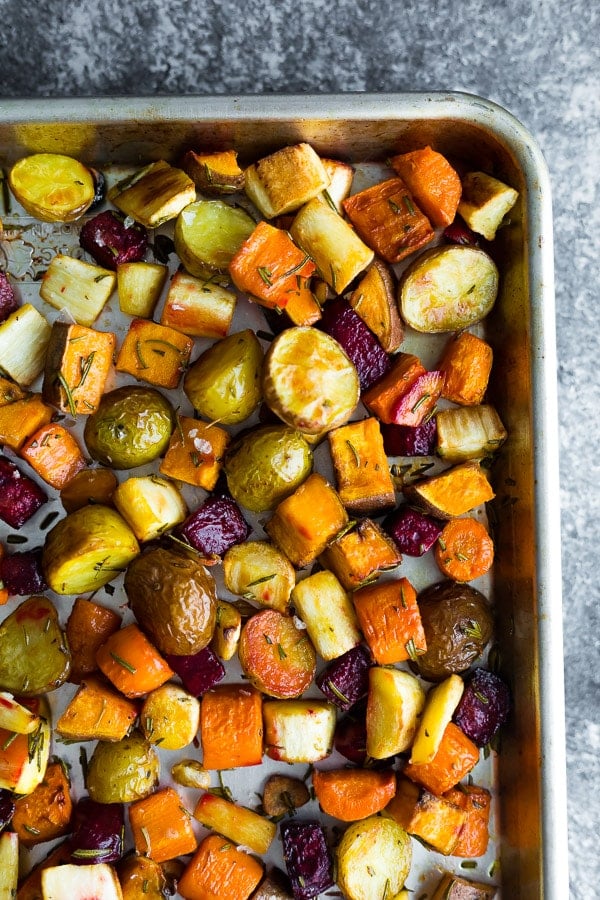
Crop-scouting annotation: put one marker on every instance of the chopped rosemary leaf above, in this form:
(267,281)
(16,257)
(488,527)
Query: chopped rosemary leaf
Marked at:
(63,383)
(341,697)
(124,663)
(265,275)
(408,204)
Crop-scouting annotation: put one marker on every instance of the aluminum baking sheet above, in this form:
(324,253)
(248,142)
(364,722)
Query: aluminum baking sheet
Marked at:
(529,816)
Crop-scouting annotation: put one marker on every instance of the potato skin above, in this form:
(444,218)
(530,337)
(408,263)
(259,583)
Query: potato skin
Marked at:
(122,771)
(458,624)
(174,600)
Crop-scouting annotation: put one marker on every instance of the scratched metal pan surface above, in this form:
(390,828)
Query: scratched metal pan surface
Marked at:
(529,771)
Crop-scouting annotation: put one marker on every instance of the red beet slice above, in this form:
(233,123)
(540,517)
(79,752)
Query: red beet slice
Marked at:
(483,707)
(111,242)
(346,679)
(215,526)
(20,497)
(418,402)
(359,343)
(409,440)
(21,573)
(199,672)
(307,858)
(413,531)
(8,300)
(97,832)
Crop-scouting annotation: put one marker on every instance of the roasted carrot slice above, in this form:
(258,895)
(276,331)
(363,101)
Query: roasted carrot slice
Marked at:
(219,871)
(231,727)
(276,656)
(351,794)
(132,663)
(464,549)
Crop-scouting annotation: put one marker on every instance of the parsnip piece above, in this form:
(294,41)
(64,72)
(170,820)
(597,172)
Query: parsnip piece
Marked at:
(154,195)
(24,338)
(285,180)
(78,287)
(326,609)
(150,505)
(298,730)
(470,432)
(9,864)
(338,252)
(340,182)
(241,825)
(484,203)
(394,703)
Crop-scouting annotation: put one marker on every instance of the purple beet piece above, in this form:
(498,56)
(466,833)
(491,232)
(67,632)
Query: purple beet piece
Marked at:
(350,739)
(360,344)
(483,707)
(346,679)
(97,832)
(20,497)
(8,301)
(410,440)
(21,573)
(7,808)
(215,526)
(413,531)
(307,858)
(460,233)
(111,242)
(199,672)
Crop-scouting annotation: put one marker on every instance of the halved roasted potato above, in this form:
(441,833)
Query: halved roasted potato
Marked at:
(374,858)
(208,234)
(52,187)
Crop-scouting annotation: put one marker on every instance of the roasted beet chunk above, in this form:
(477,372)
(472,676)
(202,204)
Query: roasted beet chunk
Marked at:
(306,858)
(20,497)
(97,832)
(460,233)
(346,679)
(410,440)
(7,808)
(198,672)
(215,526)
(359,343)
(111,242)
(413,531)
(483,707)
(8,300)
(21,573)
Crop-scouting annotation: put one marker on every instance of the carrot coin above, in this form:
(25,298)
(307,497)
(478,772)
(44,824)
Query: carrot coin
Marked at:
(276,656)
(464,549)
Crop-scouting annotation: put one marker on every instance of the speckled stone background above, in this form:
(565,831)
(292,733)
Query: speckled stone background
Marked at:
(539,59)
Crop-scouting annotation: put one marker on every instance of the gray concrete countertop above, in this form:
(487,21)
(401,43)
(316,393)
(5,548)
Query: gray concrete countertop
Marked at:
(539,59)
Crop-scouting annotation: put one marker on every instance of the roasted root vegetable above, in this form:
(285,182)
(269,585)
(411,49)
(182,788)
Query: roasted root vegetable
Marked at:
(453,492)
(140,875)
(80,288)
(191,773)
(346,680)
(24,757)
(214,173)
(466,364)
(139,285)
(208,234)
(195,453)
(241,825)
(224,383)
(485,202)
(464,550)
(468,433)
(96,880)
(283,795)
(97,713)
(22,573)
(88,627)
(387,218)
(457,622)
(307,858)
(413,532)
(86,549)
(199,672)
(474,835)
(154,353)
(219,871)
(453,887)
(341,175)
(88,486)
(45,813)
(389,618)
(360,555)
(154,194)
(78,361)
(131,663)
(9,864)
(484,706)
(353,794)
(170,716)
(150,505)
(8,300)
(410,440)
(435,820)
(407,393)
(374,299)
(228,628)
(432,181)
(456,755)
(309,381)
(285,180)
(270,267)
(214,526)
(394,704)
(448,288)
(111,240)
(327,611)
(122,771)
(148,817)
(10,392)
(198,308)
(24,337)
(20,496)
(339,253)
(441,702)
(343,324)
(21,419)
(304,523)
(97,832)
(231,727)
(52,187)
(362,472)
(34,656)
(259,572)
(373,858)
(276,656)
(298,730)
(16,717)
(54,454)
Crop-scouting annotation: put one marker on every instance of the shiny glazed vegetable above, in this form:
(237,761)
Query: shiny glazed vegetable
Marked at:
(123,771)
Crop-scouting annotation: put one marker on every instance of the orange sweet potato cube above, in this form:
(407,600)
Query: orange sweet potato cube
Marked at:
(78,361)
(466,364)
(432,181)
(97,713)
(231,727)
(195,453)
(390,620)
(44,814)
(21,419)
(154,353)
(455,758)
(362,472)
(474,835)
(388,220)
(436,820)
(161,826)
(361,555)
(54,454)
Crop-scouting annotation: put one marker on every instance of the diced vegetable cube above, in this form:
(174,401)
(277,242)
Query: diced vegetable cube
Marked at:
(24,338)
(235,822)
(466,364)
(54,454)
(394,704)
(132,663)
(484,706)
(436,820)
(195,453)
(361,468)
(441,702)
(21,573)
(285,180)
(139,285)
(298,730)
(199,672)
(20,497)
(219,869)
(410,440)
(341,322)
(45,813)
(89,625)
(469,433)
(389,617)
(474,835)
(170,717)
(112,241)
(150,505)
(161,826)
(455,757)
(307,858)
(231,726)
(97,832)
(154,194)
(259,572)
(21,419)
(484,203)
(326,609)
(346,679)
(197,307)
(21,770)
(215,526)
(154,353)
(78,362)
(97,713)
(359,556)
(217,172)
(413,531)
(432,181)
(407,394)
(99,881)
(374,299)
(78,287)
(454,492)
(453,887)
